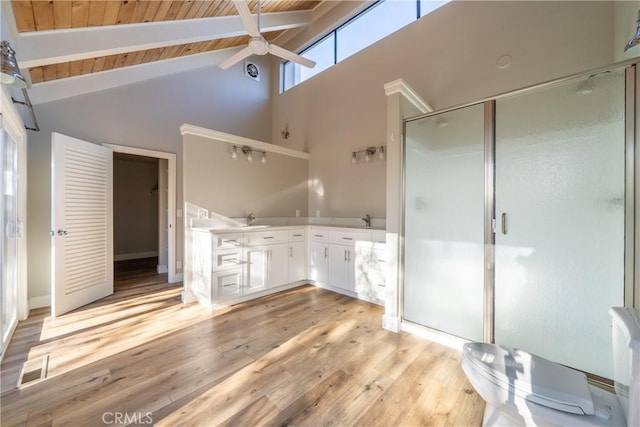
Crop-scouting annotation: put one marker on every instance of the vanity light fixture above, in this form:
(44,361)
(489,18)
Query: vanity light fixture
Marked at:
(248,152)
(11,75)
(632,49)
(369,154)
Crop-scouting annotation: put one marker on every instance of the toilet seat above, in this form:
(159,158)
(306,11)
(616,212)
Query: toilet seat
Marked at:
(515,373)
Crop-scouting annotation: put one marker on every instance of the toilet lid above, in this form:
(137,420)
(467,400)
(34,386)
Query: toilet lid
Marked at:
(531,377)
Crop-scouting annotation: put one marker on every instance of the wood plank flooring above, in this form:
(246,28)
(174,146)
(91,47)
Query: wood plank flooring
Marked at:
(302,357)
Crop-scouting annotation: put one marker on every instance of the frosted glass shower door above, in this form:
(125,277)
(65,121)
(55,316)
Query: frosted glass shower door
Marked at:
(560,213)
(443,231)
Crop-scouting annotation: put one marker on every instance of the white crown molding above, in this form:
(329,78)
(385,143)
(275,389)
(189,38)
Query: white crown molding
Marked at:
(37,48)
(73,86)
(401,87)
(187,129)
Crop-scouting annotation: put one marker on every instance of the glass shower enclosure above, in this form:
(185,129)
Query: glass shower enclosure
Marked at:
(514,219)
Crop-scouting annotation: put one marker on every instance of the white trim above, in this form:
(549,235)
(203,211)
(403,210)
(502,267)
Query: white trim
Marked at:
(171,202)
(65,88)
(135,255)
(401,87)
(38,48)
(14,126)
(187,129)
(161,269)
(435,336)
(39,302)
(178,278)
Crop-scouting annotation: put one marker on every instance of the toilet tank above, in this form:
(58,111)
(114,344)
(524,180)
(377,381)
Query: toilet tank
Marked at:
(625,331)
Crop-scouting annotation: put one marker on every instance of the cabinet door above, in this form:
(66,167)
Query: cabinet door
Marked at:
(363,272)
(339,267)
(227,284)
(277,264)
(318,261)
(297,262)
(257,262)
(378,273)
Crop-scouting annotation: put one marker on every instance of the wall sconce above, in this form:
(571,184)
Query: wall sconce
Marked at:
(248,152)
(11,75)
(632,48)
(284,132)
(369,153)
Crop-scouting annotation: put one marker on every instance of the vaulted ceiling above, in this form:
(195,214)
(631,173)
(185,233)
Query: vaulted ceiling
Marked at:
(59,39)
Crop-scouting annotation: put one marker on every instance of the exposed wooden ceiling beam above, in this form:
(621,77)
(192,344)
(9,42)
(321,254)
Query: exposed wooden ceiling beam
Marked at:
(55,46)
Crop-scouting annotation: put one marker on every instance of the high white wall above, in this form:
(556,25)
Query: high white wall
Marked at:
(449,58)
(146,115)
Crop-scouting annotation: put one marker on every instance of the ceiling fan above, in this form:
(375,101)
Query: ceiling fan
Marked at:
(258,45)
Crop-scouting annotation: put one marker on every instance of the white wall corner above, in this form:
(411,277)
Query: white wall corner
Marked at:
(39,302)
(162,269)
(403,88)
(188,297)
(391,323)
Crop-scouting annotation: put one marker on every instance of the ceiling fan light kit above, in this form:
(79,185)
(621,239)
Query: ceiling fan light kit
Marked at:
(258,45)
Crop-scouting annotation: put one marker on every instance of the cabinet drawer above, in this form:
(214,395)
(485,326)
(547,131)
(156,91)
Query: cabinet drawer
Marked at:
(228,283)
(349,237)
(224,241)
(296,235)
(266,237)
(379,237)
(226,258)
(318,235)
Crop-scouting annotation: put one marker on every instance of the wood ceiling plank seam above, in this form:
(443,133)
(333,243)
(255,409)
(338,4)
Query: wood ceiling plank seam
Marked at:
(120,60)
(97,10)
(49,72)
(173,11)
(213,8)
(79,14)
(150,54)
(184,9)
(163,9)
(98,64)
(127,8)
(139,11)
(227,8)
(111,12)
(75,68)
(130,58)
(152,10)
(203,46)
(23,12)
(197,10)
(43,14)
(138,57)
(108,62)
(253,6)
(36,74)
(62,14)
(190,49)
(166,51)
(62,70)
(87,65)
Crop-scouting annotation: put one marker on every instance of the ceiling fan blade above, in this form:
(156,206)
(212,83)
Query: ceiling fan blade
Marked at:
(239,56)
(287,54)
(247,19)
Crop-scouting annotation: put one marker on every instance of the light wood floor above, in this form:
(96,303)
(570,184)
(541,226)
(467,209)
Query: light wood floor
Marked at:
(301,357)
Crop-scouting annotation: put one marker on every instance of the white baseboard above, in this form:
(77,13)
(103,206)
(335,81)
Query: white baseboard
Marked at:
(162,269)
(137,255)
(39,302)
(391,323)
(432,335)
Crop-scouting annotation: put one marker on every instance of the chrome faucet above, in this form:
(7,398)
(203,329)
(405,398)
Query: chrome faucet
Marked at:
(250,218)
(367,220)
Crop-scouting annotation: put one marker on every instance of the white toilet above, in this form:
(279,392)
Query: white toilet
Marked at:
(523,389)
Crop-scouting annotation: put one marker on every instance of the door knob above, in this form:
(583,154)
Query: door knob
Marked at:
(62,232)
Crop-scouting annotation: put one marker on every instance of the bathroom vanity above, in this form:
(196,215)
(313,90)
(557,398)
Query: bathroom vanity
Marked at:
(229,265)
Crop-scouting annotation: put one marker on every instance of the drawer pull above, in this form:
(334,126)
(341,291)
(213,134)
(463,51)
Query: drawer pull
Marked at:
(230,284)
(326,250)
(232,260)
(297,235)
(382,286)
(229,241)
(318,235)
(382,260)
(268,237)
(347,238)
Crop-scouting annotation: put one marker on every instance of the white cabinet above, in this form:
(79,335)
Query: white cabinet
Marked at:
(297,261)
(278,265)
(256,268)
(341,267)
(318,261)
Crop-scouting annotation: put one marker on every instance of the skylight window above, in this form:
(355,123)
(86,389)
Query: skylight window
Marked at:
(371,25)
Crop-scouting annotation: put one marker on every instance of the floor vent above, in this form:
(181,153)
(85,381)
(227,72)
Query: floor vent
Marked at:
(33,371)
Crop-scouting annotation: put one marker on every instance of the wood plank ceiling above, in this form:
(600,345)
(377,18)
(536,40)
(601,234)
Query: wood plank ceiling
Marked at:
(41,15)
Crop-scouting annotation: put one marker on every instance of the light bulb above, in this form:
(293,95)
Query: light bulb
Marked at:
(381,153)
(234,153)
(353,158)
(264,158)
(367,157)
(249,156)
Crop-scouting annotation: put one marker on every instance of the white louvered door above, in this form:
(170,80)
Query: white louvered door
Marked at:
(82,223)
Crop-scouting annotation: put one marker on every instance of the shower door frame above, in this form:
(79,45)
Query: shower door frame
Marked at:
(632,198)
